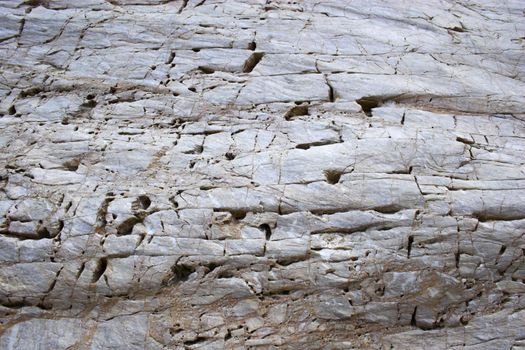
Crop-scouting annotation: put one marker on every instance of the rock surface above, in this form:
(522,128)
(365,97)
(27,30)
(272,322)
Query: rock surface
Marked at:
(227,174)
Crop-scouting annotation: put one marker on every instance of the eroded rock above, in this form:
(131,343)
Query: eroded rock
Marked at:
(262,174)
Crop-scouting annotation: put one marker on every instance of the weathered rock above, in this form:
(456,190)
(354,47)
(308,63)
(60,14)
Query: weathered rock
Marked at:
(262,174)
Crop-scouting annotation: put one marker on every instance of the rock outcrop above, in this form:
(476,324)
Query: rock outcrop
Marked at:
(230,174)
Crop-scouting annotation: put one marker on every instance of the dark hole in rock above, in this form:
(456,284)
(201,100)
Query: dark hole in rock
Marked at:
(43,232)
(144,202)
(11,110)
(332,176)
(195,49)
(267,230)
(252,46)
(296,112)
(126,227)
(230,156)
(206,70)
(179,273)
(238,214)
(35,3)
(72,164)
(192,89)
(368,103)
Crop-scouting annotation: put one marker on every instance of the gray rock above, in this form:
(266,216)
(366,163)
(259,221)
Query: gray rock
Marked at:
(270,174)
(334,308)
(33,333)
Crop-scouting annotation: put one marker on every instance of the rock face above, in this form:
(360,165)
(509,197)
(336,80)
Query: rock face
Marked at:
(231,174)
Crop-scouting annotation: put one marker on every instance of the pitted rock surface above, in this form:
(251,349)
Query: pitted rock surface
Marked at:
(262,174)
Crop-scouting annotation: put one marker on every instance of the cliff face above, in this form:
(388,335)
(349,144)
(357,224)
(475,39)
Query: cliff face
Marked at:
(262,174)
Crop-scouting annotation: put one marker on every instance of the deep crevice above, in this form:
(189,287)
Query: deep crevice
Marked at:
(413,318)
(102,264)
(409,247)
(331,92)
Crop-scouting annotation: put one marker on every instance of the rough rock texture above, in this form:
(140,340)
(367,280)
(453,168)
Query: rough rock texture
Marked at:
(222,174)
